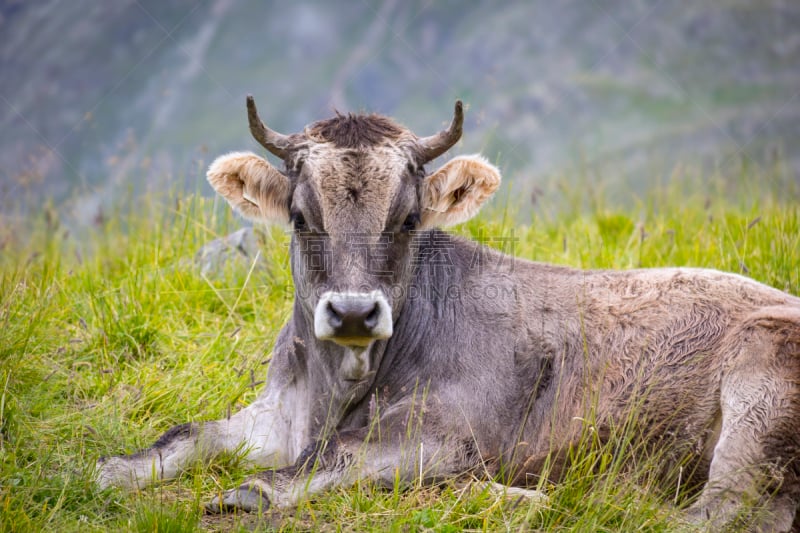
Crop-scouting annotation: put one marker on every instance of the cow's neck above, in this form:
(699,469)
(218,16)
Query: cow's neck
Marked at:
(334,378)
(432,301)
(397,364)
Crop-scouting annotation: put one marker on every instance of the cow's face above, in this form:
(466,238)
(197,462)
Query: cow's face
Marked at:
(356,193)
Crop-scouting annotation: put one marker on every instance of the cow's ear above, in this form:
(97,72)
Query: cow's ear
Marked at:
(252,186)
(456,191)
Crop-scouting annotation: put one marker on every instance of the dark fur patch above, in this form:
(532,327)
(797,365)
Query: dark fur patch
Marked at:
(311,452)
(469,454)
(175,433)
(319,450)
(171,435)
(355,131)
(545,377)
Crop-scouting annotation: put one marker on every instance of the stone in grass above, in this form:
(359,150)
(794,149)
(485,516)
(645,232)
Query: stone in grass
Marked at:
(238,249)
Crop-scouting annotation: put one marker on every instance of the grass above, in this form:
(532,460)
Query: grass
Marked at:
(109,338)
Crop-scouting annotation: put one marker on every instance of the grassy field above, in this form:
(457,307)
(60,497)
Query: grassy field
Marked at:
(112,337)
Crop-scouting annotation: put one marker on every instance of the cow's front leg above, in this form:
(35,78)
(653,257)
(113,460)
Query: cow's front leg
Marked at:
(262,430)
(364,454)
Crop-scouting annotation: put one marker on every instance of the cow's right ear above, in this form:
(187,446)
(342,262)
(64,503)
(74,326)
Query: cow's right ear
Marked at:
(252,186)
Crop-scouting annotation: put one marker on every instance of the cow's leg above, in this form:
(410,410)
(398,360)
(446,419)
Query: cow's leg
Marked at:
(385,454)
(758,451)
(262,431)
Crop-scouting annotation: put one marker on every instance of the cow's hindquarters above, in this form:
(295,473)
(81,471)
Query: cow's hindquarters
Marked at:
(758,452)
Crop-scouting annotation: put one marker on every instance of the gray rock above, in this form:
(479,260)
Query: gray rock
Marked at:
(239,248)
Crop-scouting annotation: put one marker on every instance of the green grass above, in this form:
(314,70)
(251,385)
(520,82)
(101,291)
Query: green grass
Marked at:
(111,337)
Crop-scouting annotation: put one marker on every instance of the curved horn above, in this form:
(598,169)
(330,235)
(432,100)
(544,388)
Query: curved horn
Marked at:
(273,141)
(435,145)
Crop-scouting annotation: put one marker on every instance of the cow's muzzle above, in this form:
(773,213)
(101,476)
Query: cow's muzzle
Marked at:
(353,318)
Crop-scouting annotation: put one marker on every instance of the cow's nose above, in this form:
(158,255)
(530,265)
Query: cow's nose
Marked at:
(353,318)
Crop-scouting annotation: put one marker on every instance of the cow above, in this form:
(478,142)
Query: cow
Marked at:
(415,354)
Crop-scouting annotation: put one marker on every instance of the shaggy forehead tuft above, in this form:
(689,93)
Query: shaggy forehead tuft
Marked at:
(356,131)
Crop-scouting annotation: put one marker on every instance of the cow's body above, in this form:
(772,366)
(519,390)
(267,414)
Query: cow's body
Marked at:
(490,361)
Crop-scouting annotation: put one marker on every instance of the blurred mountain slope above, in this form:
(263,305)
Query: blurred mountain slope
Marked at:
(103,99)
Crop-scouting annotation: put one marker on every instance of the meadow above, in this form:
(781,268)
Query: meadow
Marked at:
(110,336)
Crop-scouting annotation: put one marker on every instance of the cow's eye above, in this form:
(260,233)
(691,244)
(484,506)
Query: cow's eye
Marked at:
(298,221)
(411,222)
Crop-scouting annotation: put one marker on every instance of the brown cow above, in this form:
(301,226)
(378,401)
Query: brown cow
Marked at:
(412,352)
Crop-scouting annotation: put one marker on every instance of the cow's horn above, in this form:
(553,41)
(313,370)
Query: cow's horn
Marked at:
(435,145)
(273,141)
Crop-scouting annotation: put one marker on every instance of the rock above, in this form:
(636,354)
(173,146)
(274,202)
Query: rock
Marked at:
(239,248)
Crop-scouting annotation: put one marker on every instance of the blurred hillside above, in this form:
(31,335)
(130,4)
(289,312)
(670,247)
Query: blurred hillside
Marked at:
(100,100)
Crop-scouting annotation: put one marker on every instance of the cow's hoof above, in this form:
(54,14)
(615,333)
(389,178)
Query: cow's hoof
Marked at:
(248,498)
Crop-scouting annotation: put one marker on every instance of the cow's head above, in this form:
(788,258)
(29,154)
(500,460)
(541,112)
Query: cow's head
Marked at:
(355,189)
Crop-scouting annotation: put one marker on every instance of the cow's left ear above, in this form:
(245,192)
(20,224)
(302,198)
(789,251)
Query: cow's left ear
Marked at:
(456,191)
